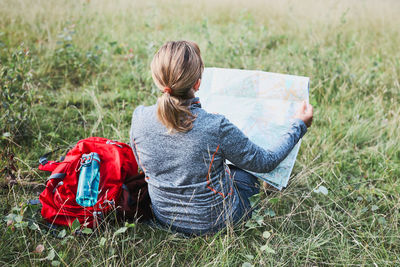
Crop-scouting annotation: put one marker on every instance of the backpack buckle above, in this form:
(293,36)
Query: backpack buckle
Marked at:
(87,159)
(113,143)
(43,160)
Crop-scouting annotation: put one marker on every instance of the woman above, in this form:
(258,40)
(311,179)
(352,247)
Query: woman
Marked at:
(182,149)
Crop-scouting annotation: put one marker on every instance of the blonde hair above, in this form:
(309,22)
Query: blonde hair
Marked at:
(176,68)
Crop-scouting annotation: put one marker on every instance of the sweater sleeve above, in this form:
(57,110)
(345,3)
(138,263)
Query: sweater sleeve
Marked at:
(238,149)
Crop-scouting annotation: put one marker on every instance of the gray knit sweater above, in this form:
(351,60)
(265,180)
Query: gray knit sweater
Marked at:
(189,184)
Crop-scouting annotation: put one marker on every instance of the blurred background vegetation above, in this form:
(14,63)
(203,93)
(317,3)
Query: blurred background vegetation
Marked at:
(74,69)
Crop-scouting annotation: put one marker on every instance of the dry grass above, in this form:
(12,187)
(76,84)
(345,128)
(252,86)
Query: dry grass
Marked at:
(85,82)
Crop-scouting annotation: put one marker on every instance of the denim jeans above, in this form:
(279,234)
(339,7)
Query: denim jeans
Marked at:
(246,185)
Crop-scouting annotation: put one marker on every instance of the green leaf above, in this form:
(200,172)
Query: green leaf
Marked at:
(322,189)
(6,135)
(33,226)
(130,225)
(273,200)
(55,263)
(111,252)
(102,241)
(10,217)
(62,233)
(75,225)
(120,231)
(374,207)
(18,218)
(21,224)
(87,231)
(250,224)
(51,255)
(254,200)
(249,257)
(259,219)
(267,249)
(364,209)
(266,234)
(270,213)
(247,264)
(382,220)
(67,239)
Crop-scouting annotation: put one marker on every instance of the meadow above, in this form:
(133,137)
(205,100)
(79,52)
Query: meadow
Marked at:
(75,69)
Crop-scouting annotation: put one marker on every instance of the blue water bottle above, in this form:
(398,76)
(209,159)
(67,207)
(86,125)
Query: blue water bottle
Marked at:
(89,178)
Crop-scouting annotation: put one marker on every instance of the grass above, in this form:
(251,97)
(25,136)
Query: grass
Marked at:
(76,69)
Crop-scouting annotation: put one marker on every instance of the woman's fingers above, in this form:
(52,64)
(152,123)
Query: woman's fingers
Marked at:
(305,113)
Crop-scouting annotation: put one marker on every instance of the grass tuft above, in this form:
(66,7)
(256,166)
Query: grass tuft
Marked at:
(74,69)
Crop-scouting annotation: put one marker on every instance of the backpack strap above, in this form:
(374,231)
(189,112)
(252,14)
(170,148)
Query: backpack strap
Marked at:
(43,159)
(50,165)
(57,175)
(57,169)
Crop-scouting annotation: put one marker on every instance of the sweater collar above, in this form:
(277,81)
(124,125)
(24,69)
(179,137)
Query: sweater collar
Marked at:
(195,103)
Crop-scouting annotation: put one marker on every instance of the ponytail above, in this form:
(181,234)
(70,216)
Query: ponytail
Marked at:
(174,113)
(176,68)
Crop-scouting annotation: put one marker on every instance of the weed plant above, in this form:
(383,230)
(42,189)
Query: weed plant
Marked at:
(74,69)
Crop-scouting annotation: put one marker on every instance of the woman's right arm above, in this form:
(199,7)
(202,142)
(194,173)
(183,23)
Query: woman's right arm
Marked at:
(238,149)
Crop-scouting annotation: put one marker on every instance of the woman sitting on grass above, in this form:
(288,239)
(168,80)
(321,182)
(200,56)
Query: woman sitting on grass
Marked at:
(182,149)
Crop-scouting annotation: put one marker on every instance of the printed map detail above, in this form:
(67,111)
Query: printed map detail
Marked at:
(260,104)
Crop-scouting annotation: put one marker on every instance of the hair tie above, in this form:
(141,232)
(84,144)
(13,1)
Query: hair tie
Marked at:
(167,90)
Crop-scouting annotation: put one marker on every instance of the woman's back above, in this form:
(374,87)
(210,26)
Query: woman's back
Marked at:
(188,183)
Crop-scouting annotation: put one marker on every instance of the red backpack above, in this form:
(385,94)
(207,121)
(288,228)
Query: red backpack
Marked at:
(118,173)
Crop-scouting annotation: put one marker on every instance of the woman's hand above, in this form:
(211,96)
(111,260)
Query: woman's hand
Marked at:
(305,113)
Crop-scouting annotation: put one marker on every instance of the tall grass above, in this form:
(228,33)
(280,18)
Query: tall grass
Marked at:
(86,67)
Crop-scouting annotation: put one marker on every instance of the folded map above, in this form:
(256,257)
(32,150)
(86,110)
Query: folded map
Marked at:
(260,104)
